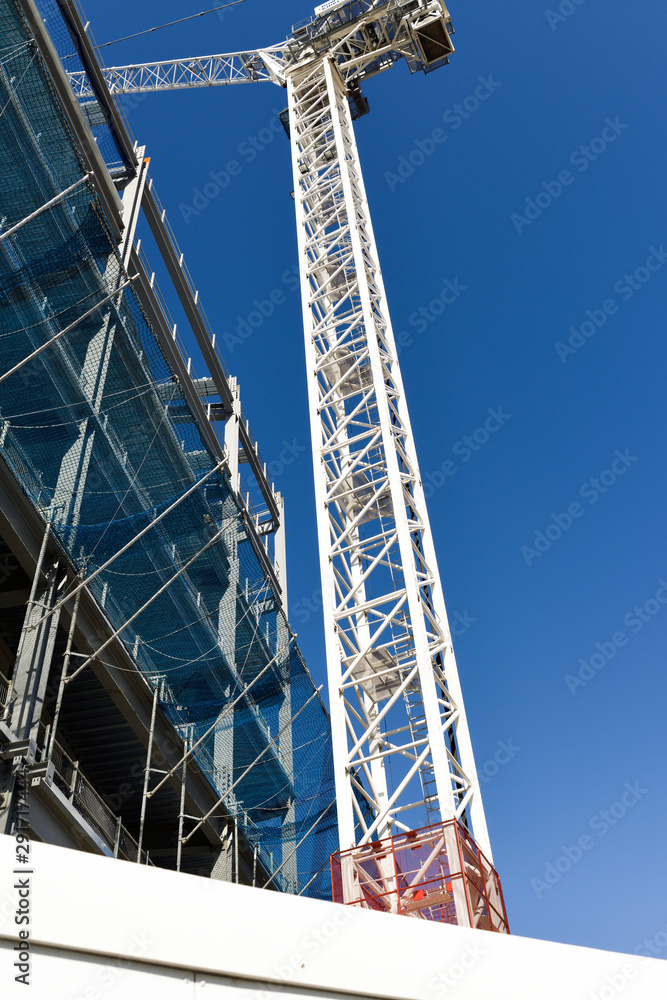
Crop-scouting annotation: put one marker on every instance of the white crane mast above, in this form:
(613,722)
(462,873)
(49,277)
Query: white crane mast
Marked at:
(402,752)
(392,676)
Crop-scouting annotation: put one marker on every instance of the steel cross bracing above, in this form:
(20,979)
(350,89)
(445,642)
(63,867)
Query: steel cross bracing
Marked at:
(177,74)
(401,745)
(402,751)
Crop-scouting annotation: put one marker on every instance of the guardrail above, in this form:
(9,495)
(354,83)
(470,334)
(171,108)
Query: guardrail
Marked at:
(81,794)
(68,777)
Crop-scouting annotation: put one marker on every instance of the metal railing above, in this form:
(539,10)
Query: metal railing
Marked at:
(4,693)
(73,783)
(68,777)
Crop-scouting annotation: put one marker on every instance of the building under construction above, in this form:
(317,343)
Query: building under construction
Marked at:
(151,690)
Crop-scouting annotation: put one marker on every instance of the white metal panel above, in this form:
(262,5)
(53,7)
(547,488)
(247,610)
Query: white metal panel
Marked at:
(65,975)
(251,944)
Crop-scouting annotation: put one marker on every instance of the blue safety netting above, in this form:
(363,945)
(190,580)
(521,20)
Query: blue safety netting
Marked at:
(65,43)
(98,433)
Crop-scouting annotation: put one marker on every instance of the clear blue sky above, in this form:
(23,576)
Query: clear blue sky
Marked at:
(580,93)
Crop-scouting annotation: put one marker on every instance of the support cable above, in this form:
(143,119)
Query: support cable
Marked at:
(218,535)
(306,834)
(29,606)
(255,761)
(129,544)
(216,645)
(320,869)
(134,477)
(14,94)
(226,710)
(48,204)
(180,20)
(183,663)
(68,328)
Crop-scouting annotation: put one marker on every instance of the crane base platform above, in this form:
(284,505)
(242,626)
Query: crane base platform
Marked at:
(436,873)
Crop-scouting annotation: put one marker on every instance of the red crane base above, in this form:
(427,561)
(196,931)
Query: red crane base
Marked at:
(436,873)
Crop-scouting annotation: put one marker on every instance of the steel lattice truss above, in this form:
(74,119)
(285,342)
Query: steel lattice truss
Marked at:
(402,749)
(364,37)
(395,699)
(179,74)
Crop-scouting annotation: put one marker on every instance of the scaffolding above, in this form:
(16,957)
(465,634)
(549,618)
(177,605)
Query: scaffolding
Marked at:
(114,444)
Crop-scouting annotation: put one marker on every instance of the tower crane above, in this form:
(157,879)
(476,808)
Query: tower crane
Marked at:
(413,835)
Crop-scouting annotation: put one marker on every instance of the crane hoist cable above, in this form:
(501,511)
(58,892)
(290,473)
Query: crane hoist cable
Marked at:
(180,20)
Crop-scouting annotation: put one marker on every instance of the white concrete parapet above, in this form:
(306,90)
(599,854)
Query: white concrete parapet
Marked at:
(103,929)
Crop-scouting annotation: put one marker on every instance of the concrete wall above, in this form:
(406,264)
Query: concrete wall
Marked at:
(104,930)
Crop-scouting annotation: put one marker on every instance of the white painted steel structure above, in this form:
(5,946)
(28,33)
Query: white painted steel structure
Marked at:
(402,750)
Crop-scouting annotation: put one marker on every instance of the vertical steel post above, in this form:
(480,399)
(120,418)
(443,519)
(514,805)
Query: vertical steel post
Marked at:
(236,849)
(63,675)
(33,592)
(181,814)
(147,772)
(116,845)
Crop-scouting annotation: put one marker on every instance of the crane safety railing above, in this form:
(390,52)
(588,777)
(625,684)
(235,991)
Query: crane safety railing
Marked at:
(334,18)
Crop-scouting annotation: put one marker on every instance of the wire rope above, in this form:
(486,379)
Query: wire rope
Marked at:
(180,20)
(15,89)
